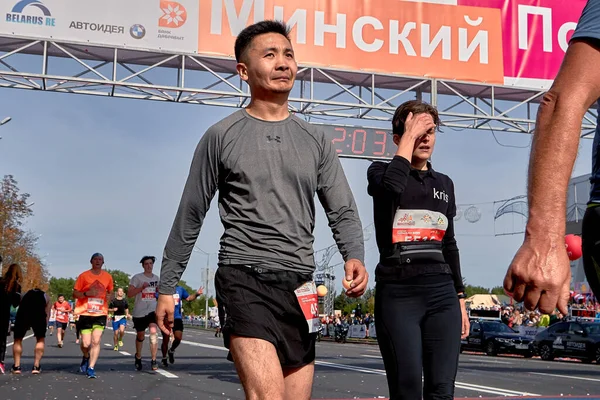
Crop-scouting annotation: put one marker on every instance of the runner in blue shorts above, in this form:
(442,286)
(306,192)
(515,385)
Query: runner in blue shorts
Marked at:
(120,307)
(179,295)
(540,273)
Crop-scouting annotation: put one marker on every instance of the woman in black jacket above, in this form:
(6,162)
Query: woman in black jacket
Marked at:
(419,299)
(10,295)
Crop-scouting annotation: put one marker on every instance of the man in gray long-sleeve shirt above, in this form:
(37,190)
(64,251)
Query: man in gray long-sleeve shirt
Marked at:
(267,166)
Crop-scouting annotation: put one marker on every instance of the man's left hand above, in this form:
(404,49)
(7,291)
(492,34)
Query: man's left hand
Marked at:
(357,273)
(465,324)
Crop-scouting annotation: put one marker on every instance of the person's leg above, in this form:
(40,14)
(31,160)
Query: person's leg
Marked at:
(122,330)
(258,367)
(96,338)
(399,310)
(441,342)
(59,333)
(164,347)
(153,328)
(39,351)
(86,342)
(298,382)
(4,327)
(139,343)
(116,329)
(17,351)
(177,338)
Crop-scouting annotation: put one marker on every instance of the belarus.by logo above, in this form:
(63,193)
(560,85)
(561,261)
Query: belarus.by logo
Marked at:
(137,31)
(23,13)
(174,15)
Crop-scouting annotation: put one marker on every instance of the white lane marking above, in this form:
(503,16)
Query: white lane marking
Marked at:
(125,353)
(166,374)
(487,361)
(461,385)
(26,337)
(566,376)
(107,345)
(370,356)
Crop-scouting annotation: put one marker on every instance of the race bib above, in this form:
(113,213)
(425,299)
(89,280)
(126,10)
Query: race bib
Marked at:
(118,317)
(418,226)
(148,294)
(308,300)
(176,298)
(95,305)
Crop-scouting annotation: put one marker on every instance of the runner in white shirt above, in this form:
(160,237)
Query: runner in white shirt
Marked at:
(143,286)
(52,321)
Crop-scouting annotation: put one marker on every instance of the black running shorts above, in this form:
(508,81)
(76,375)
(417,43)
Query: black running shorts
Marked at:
(591,247)
(140,324)
(261,304)
(178,325)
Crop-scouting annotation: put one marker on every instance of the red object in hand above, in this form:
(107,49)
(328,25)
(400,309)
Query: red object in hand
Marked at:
(573,244)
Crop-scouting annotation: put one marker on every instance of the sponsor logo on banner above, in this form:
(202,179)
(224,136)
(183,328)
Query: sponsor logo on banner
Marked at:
(418,226)
(174,15)
(28,12)
(97,27)
(137,31)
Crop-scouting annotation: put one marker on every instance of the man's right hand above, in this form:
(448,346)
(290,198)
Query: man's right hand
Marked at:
(165,313)
(540,274)
(417,126)
(145,285)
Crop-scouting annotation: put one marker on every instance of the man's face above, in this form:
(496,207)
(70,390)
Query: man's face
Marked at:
(268,65)
(148,266)
(61,299)
(97,262)
(120,292)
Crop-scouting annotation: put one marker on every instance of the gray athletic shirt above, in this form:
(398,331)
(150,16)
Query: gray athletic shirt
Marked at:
(267,174)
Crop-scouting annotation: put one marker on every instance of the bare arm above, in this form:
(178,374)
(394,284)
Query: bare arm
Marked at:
(556,139)
(540,273)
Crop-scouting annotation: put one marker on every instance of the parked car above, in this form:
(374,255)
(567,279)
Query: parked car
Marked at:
(495,337)
(573,339)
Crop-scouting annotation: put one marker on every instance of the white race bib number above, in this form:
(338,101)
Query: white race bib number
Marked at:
(95,305)
(308,300)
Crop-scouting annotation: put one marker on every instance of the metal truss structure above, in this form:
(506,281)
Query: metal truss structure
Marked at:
(320,93)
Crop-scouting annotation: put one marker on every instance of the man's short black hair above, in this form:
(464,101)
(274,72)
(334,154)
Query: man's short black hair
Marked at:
(147,258)
(244,39)
(60,295)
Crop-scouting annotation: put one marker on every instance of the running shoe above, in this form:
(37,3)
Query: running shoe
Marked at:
(60,345)
(120,343)
(16,370)
(171,354)
(85,363)
(138,363)
(116,348)
(154,365)
(36,370)
(164,362)
(91,374)
(2,368)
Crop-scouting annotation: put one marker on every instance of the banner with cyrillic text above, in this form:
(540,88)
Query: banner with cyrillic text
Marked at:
(507,42)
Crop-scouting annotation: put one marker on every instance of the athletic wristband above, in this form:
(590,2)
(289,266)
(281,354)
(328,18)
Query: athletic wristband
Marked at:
(462,296)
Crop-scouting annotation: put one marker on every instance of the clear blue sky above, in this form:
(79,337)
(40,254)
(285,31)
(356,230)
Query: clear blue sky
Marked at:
(106,175)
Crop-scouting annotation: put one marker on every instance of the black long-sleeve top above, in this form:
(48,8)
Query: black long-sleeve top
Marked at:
(413,206)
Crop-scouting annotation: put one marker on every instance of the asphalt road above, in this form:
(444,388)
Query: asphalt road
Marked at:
(343,371)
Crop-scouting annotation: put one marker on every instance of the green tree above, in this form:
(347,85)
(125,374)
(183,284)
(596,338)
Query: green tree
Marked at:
(473,290)
(62,286)
(498,290)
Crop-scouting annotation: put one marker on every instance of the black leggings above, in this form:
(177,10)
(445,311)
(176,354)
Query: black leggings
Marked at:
(591,248)
(418,331)
(4,325)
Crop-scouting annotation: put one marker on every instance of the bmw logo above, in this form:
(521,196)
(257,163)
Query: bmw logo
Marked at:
(137,31)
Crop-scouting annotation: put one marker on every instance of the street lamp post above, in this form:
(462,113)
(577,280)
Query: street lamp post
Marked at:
(4,122)
(197,249)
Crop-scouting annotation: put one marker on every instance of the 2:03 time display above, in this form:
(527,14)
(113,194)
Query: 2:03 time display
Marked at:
(359,142)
